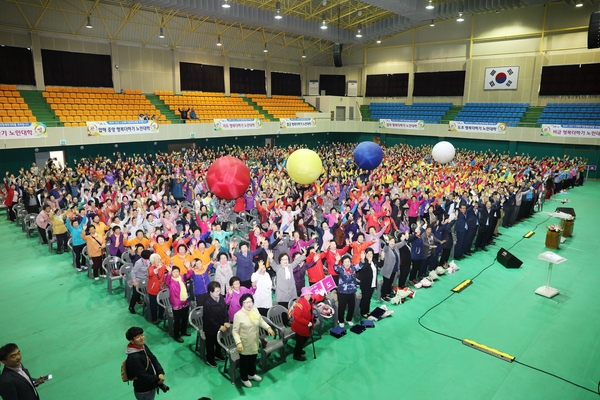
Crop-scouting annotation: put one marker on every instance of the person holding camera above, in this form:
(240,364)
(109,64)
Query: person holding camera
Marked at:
(142,366)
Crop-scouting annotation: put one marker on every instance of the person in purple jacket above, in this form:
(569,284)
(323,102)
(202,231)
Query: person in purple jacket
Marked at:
(115,242)
(178,295)
(245,266)
(234,293)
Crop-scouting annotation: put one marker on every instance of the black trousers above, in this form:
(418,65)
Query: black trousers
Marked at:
(42,233)
(365,301)
(482,236)
(445,256)
(97,265)
(11,213)
(263,311)
(300,342)
(135,297)
(180,318)
(61,241)
(247,284)
(284,316)
(247,365)
(346,300)
(212,348)
(386,286)
(404,272)
(79,259)
(156,312)
(416,266)
(33,209)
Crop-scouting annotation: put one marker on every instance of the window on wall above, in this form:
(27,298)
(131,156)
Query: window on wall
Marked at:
(387,85)
(250,81)
(200,77)
(570,80)
(333,85)
(445,83)
(286,84)
(63,68)
(16,66)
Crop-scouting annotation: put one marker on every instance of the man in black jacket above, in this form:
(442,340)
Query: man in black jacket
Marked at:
(142,366)
(214,319)
(15,381)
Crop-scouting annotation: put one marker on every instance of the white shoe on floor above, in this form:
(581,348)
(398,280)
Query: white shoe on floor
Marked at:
(341,324)
(79,269)
(248,384)
(256,378)
(103,276)
(96,279)
(350,323)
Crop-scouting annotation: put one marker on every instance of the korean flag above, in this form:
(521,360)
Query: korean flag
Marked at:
(501,78)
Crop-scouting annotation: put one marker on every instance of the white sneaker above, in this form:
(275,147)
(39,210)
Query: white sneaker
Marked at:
(102,276)
(79,269)
(341,324)
(248,384)
(256,378)
(350,323)
(96,279)
(83,267)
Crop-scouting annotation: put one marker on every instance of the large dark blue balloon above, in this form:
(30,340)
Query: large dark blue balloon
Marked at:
(368,155)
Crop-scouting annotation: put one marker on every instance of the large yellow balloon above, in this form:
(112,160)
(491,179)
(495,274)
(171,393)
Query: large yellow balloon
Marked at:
(304,166)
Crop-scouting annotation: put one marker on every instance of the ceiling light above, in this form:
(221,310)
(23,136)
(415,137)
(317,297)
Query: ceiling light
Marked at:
(324,23)
(161,34)
(225,4)
(89,23)
(278,11)
(378,40)
(460,17)
(430,5)
(303,54)
(432,23)
(359,31)
(579,3)
(219,41)
(265,50)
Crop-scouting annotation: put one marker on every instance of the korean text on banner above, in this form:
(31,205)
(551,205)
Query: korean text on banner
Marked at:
(402,124)
(297,123)
(580,131)
(237,123)
(482,127)
(323,286)
(23,130)
(111,128)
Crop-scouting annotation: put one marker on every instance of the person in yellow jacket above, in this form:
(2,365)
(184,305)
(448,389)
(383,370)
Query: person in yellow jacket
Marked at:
(59,229)
(246,324)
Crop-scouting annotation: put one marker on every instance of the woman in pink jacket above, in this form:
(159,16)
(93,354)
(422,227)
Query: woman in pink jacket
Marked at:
(413,210)
(178,295)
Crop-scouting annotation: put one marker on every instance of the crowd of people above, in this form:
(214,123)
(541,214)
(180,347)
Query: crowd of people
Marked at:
(405,221)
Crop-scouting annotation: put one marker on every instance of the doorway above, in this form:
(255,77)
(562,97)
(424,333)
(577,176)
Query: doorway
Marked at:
(340,113)
(42,157)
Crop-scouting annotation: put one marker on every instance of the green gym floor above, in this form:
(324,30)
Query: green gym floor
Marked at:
(69,326)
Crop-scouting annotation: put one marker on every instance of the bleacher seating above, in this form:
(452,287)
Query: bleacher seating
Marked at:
(73,105)
(572,114)
(208,106)
(281,106)
(13,107)
(511,113)
(431,113)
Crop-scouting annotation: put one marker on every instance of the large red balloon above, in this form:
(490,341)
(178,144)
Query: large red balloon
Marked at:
(228,177)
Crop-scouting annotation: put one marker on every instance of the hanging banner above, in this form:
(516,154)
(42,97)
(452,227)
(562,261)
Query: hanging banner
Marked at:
(239,123)
(582,131)
(410,124)
(483,127)
(111,128)
(501,78)
(297,123)
(23,130)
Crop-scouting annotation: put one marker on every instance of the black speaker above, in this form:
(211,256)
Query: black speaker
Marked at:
(594,31)
(337,54)
(507,259)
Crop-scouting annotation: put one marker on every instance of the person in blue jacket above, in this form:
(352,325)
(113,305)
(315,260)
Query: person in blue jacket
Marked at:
(347,286)
(75,228)
(245,266)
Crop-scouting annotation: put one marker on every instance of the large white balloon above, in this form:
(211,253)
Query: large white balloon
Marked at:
(443,152)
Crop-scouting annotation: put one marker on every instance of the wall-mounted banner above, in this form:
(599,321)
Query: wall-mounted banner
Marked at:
(489,127)
(501,78)
(297,123)
(23,130)
(411,124)
(582,131)
(236,124)
(110,128)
